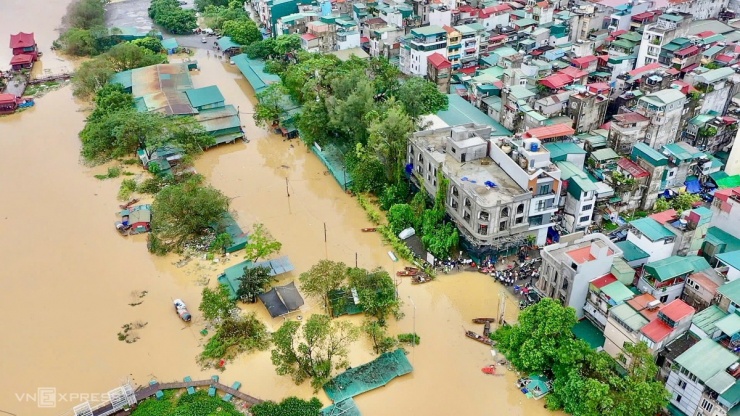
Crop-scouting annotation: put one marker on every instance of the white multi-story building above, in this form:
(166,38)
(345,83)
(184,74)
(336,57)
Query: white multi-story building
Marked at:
(703,380)
(570,265)
(664,108)
(418,46)
(668,27)
(487,205)
(726,210)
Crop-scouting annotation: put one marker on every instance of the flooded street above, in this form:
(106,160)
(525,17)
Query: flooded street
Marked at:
(68,278)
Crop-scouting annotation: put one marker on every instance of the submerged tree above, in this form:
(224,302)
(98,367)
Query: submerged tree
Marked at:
(253,283)
(315,350)
(216,303)
(261,244)
(322,278)
(377,293)
(291,406)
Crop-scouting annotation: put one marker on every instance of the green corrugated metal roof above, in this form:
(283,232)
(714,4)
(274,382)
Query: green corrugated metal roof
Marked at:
(631,251)
(629,316)
(716,176)
(728,182)
(713,51)
(683,151)
(732,396)
(584,184)
(170,43)
(705,359)
(586,331)
(648,153)
(618,292)
(559,151)
(124,78)
(460,111)
(672,17)
(568,170)
(226,43)
(605,154)
(721,382)
(669,268)
(706,319)
(698,263)
(631,36)
(204,96)
(652,229)
(254,71)
(524,22)
(476,26)
(731,258)
(717,237)
(730,324)
(701,119)
(624,43)
(428,30)
(731,290)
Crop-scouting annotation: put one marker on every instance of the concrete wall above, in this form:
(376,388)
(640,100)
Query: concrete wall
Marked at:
(690,395)
(616,336)
(657,250)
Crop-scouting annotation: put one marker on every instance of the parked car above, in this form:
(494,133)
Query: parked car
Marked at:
(203,40)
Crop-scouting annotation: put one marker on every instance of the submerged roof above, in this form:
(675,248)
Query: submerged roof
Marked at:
(254,71)
(160,87)
(200,97)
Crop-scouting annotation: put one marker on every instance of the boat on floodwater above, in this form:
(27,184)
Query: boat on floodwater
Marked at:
(478,337)
(182,310)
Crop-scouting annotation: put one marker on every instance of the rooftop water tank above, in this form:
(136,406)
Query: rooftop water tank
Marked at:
(534,146)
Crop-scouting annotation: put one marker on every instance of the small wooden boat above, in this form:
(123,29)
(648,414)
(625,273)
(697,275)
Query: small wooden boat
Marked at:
(406,273)
(483,320)
(420,278)
(128,204)
(411,269)
(477,337)
(486,329)
(369,230)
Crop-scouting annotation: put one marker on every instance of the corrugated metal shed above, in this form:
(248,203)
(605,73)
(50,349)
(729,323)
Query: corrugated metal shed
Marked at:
(162,88)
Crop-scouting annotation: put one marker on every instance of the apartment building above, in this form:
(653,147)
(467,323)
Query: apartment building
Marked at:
(664,108)
(604,293)
(726,211)
(491,210)
(668,26)
(626,129)
(665,279)
(568,267)
(418,46)
(439,71)
(578,197)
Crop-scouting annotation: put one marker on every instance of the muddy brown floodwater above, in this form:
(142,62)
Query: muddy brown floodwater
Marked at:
(68,278)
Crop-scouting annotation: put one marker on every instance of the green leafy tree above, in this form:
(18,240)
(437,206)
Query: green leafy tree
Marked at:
(110,99)
(125,56)
(684,201)
(91,76)
(270,104)
(322,278)
(85,14)
(312,122)
(385,75)
(204,4)
(242,31)
(441,240)
(216,303)
(235,335)
(291,406)
(388,137)
(661,205)
(367,171)
(261,244)
(400,217)
(150,43)
(215,16)
(254,282)
(221,242)
(352,101)
(79,42)
(377,334)
(172,17)
(285,44)
(315,350)
(184,212)
(377,293)
(420,97)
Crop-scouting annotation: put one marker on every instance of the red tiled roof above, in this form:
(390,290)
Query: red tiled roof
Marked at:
(488,11)
(630,118)
(646,68)
(639,303)
(364,39)
(548,132)
(21,59)
(469,70)
(598,87)
(704,281)
(556,81)
(573,72)
(22,40)
(705,34)
(677,310)
(498,38)
(439,61)
(673,71)
(543,4)
(375,21)
(449,29)
(581,255)
(665,216)
(7,98)
(604,280)
(616,33)
(724,194)
(635,170)
(687,51)
(724,58)
(606,126)
(690,68)
(308,37)
(656,330)
(584,60)
(642,16)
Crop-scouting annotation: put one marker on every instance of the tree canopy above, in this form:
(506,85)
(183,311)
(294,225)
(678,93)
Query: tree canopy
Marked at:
(85,14)
(242,31)
(585,382)
(261,244)
(253,283)
(315,350)
(377,293)
(150,43)
(216,303)
(323,277)
(291,406)
(184,212)
(172,17)
(129,55)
